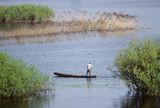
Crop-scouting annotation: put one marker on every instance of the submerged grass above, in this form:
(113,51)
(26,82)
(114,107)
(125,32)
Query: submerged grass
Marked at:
(139,66)
(18,79)
(25,13)
(76,22)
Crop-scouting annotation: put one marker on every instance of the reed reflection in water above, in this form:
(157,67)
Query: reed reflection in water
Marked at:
(138,101)
(31,102)
(63,37)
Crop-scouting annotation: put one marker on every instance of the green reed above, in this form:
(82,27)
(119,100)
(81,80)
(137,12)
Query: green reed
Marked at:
(25,13)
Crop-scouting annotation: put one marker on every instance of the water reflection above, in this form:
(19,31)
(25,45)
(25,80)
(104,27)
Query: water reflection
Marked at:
(138,101)
(63,37)
(32,102)
(89,83)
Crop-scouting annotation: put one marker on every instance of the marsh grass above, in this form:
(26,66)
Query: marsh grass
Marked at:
(69,22)
(139,66)
(18,79)
(25,13)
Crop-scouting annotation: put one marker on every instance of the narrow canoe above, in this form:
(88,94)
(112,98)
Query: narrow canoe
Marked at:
(59,74)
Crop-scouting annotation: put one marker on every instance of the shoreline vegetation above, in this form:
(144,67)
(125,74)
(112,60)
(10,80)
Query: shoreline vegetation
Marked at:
(139,66)
(26,13)
(18,79)
(73,21)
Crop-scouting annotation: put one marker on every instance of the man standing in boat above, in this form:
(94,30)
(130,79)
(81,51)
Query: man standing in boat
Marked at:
(89,68)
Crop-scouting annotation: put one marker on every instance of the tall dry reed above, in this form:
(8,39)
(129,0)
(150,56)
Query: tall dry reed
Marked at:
(76,22)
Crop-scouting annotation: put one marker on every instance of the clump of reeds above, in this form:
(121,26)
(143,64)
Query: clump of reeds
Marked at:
(77,22)
(25,13)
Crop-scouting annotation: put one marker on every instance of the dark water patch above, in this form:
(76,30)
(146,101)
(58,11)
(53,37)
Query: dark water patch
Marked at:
(7,26)
(32,102)
(13,26)
(138,101)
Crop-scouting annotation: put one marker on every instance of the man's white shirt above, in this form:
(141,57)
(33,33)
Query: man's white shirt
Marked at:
(89,66)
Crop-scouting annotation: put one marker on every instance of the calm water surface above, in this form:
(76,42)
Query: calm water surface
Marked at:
(70,53)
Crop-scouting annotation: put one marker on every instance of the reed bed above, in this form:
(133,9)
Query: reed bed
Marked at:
(25,13)
(77,21)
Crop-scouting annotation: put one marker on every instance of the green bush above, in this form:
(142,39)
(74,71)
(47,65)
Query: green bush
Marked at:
(139,65)
(25,13)
(18,79)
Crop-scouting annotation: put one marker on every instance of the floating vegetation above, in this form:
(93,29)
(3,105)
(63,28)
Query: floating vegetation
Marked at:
(139,66)
(77,21)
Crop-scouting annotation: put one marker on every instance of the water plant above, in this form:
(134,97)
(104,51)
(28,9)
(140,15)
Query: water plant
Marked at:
(25,13)
(78,21)
(139,66)
(18,79)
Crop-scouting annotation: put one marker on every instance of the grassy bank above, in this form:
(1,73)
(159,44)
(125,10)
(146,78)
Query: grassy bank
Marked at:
(25,13)
(76,22)
(18,79)
(139,66)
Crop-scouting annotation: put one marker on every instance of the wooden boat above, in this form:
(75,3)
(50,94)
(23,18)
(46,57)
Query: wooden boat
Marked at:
(59,74)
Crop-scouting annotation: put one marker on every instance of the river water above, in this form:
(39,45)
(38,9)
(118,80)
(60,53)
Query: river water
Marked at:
(71,52)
